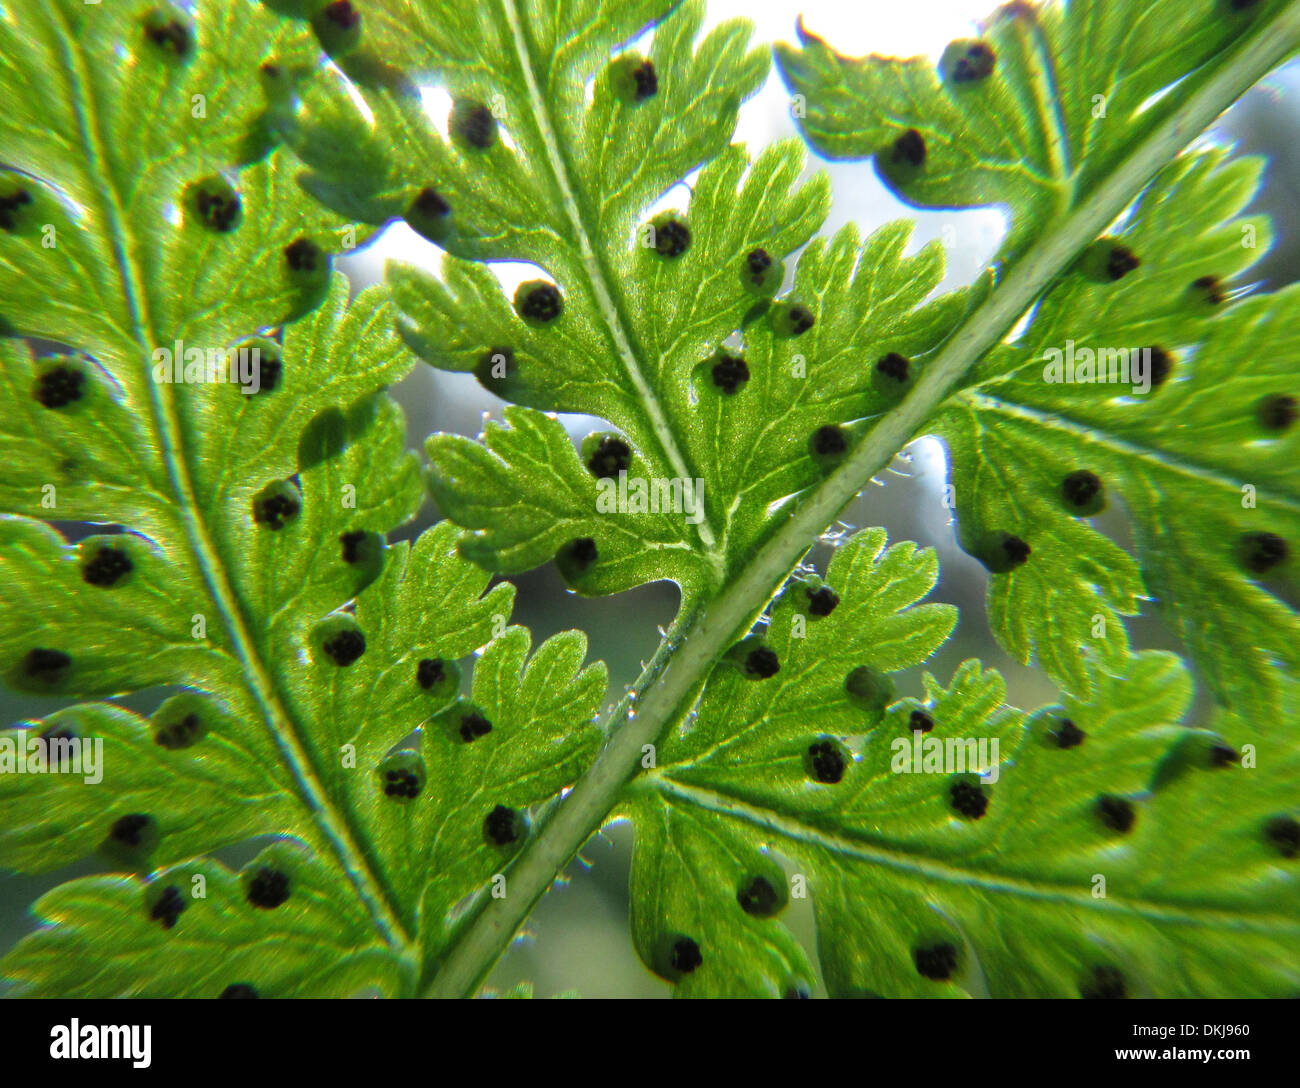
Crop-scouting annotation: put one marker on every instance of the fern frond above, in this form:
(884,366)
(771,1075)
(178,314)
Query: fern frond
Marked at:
(1108,851)
(1186,441)
(316,667)
(642,339)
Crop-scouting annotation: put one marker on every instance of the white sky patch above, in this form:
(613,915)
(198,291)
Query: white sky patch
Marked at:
(354,93)
(437,107)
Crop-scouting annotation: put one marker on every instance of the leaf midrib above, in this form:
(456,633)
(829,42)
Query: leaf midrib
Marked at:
(876,850)
(333,824)
(599,278)
(974,402)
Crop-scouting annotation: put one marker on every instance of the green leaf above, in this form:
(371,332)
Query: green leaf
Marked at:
(646,317)
(1035,114)
(312,669)
(1011,887)
(1183,438)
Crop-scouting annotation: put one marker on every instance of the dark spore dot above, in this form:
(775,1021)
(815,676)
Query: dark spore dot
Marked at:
(757,262)
(829,441)
(759,897)
(1223,755)
(168,906)
(170,35)
(1278,412)
(1261,552)
(686,956)
(304,255)
(1283,834)
(762,663)
(430,203)
(797,993)
(240,991)
(730,372)
(969,799)
(1017,551)
(1160,364)
(59,386)
(920,722)
(474,123)
(473,725)
(9,206)
(672,238)
(1105,983)
(583,551)
(46,666)
(344,647)
(1002,552)
(910,148)
(181,733)
(275,510)
(268,888)
(1082,489)
(1117,813)
(342,14)
(975,64)
(826,761)
(269,369)
(501,826)
(645,80)
(1210,289)
(869,689)
(936,961)
(610,457)
(821,601)
(430,672)
(894,366)
(130,830)
(541,303)
(800,319)
(57,753)
(402,783)
(576,558)
(1067,734)
(218,208)
(1120,261)
(108,567)
(351,542)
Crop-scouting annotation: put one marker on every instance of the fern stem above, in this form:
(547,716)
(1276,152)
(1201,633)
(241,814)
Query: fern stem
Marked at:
(719,623)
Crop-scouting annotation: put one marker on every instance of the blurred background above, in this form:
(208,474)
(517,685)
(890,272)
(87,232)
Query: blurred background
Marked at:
(577,941)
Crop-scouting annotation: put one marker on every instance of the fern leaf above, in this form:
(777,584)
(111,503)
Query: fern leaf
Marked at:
(649,302)
(1188,442)
(1034,114)
(1109,850)
(313,668)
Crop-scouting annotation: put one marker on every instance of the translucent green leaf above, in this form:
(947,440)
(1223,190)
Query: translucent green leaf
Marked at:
(1108,849)
(1035,114)
(717,393)
(310,670)
(1193,437)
